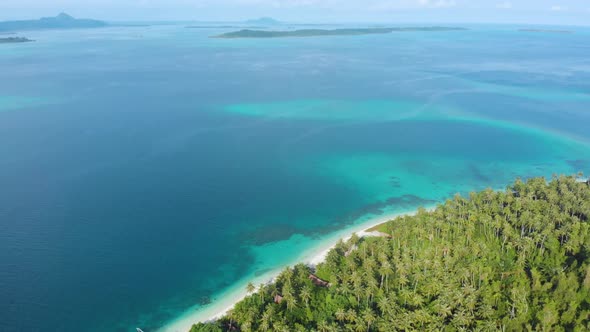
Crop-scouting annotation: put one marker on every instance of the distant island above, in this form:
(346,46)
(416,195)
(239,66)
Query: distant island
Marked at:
(246,33)
(264,21)
(221,27)
(61,21)
(12,40)
(545,30)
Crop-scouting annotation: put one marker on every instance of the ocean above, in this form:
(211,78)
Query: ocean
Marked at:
(147,171)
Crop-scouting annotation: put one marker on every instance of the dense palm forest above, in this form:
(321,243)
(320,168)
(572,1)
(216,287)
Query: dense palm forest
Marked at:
(511,261)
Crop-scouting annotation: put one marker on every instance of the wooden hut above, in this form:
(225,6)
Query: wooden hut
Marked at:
(318,282)
(278,299)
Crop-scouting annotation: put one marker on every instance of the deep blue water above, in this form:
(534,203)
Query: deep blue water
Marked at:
(143,169)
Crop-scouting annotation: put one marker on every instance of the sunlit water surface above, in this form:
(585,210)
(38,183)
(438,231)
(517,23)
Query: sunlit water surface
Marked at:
(145,170)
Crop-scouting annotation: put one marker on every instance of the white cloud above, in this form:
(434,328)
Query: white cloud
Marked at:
(558,8)
(504,5)
(437,3)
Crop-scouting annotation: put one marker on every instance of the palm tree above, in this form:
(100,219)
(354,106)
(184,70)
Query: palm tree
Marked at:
(369,318)
(351,315)
(250,288)
(359,327)
(340,315)
(290,300)
(246,326)
(288,274)
(443,309)
(323,326)
(385,270)
(261,292)
(384,305)
(358,291)
(356,280)
(344,288)
(264,324)
(372,288)
(305,295)
(281,327)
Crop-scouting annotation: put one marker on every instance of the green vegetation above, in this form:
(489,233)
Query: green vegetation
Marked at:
(515,260)
(383,228)
(10,40)
(246,33)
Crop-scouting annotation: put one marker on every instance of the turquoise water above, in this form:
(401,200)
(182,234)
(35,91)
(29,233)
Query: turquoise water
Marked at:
(147,170)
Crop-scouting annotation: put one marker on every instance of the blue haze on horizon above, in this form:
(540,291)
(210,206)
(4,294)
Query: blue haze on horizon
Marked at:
(550,12)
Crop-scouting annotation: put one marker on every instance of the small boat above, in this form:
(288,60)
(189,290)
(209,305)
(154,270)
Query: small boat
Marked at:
(138,329)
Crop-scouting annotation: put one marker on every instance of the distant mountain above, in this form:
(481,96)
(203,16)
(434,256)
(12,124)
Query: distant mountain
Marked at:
(61,21)
(14,40)
(264,21)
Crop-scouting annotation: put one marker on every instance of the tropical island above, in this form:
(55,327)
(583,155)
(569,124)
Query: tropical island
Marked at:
(511,260)
(221,27)
(11,40)
(545,31)
(247,33)
(61,21)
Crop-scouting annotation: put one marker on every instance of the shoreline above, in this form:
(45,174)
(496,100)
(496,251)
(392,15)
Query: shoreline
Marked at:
(227,299)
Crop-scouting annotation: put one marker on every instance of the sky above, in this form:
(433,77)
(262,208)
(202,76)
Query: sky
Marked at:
(551,12)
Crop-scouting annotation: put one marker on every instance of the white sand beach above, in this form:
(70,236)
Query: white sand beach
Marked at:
(315,255)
